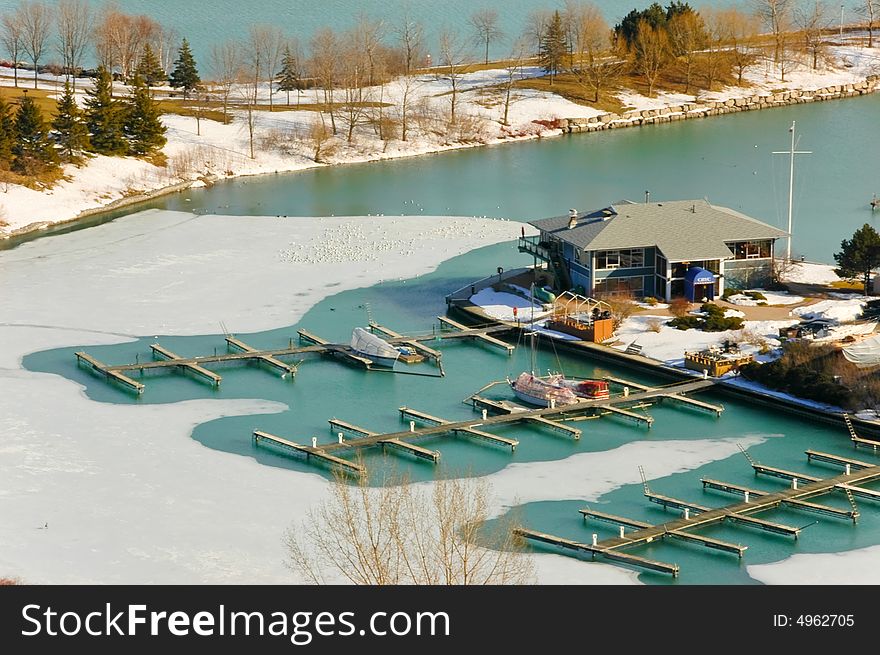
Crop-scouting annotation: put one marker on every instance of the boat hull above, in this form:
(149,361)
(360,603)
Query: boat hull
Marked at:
(387,362)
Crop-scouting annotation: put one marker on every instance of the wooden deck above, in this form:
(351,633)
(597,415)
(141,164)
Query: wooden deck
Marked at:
(317,453)
(199,370)
(109,372)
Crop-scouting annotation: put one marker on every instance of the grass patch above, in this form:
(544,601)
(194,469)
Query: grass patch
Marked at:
(45,180)
(41,97)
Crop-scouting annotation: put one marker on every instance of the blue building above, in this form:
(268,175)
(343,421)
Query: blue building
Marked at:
(684,248)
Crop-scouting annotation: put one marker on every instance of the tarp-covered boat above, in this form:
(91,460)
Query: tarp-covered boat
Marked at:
(379,351)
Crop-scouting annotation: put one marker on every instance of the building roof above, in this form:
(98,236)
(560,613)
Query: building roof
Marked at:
(683,230)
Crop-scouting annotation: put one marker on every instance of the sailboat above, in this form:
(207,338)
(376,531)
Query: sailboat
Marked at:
(373,348)
(554,389)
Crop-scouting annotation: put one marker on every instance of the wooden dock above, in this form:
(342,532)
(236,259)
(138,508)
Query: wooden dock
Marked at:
(200,371)
(854,464)
(481,335)
(109,372)
(625,413)
(827,510)
(342,426)
(418,451)
(677,397)
(557,426)
(309,453)
(856,439)
(270,360)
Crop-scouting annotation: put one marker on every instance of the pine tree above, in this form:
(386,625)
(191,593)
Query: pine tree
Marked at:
(7,134)
(185,74)
(554,46)
(71,132)
(149,69)
(33,151)
(143,127)
(288,78)
(103,118)
(860,255)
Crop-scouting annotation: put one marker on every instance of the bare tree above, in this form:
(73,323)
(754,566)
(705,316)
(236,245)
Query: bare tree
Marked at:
(651,52)
(687,37)
(411,44)
(165,44)
(74,31)
(776,15)
(716,48)
(270,41)
(225,63)
(36,22)
(452,67)
(247,95)
(324,67)
(536,26)
(485,25)
(353,75)
(742,29)
(870,11)
(13,38)
(401,533)
(593,66)
(411,41)
(812,21)
(120,39)
(514,73)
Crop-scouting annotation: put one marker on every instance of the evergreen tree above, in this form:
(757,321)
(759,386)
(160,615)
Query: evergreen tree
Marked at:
(33,151)
(554,46)
(7,134)
(143,127)
(860,255)
(103,117)
(185,74)
(71,132)
(149,69)
(288,78)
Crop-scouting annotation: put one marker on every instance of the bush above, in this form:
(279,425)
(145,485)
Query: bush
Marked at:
(650,300)
(679,307)
(713,320)
(756,295)
(654,325)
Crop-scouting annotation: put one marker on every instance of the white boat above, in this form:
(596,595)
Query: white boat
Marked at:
(541,391)
(366,344)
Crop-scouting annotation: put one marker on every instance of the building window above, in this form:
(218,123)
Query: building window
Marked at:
(621,286)
(611,259)
(751,249)
(660,264)
(583,257)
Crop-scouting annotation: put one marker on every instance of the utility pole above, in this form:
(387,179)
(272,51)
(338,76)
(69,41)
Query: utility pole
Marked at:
(791,153)
(841,21)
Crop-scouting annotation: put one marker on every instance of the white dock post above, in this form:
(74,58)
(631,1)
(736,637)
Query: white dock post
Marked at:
(314,442)
(705,374)
(621,532)
(626,392)
(552,403)
(595,539)
(412,426)
(485,414)
(746,496)
(341,437)
(847,469)
(687,514)
(794,483)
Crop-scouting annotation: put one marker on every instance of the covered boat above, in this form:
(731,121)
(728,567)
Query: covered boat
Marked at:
(541,391)
(379,351)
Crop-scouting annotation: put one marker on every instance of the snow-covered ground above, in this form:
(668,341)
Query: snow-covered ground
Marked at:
(770,298)
(838,311)
(668,344)
(853,567)
(97,492)
(284,141)
(811,273)
(500,305)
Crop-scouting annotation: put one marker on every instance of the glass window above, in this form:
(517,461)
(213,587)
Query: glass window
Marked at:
(630,258)
(751,249)
(621,286)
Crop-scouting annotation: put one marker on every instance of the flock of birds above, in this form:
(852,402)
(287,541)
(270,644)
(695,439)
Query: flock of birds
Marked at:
(362,240)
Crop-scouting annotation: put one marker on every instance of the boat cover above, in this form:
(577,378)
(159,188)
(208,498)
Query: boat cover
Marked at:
(864,354)
(370,345)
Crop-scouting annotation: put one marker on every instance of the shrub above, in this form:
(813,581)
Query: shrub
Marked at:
(650,300)
(756,295)
(654,325)
(679,307)
(713,320)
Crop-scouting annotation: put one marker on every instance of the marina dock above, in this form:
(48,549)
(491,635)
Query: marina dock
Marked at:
(435,426)
(317,453)
(676,397)
(241,352)
(697,516)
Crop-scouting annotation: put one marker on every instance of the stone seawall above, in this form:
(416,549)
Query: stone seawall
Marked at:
(703,109)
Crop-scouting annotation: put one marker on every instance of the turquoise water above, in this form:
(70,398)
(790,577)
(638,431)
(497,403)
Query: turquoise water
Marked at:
(326,388)
(205,23)
(727,160)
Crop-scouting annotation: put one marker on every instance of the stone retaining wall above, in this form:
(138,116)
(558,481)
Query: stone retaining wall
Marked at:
(701,109)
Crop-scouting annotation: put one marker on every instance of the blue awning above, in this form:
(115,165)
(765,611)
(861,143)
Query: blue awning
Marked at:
(697,275)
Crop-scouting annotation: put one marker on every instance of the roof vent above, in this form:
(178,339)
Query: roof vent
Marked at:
(572,219)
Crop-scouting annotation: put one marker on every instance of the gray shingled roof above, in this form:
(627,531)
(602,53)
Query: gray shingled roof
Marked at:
(684,230)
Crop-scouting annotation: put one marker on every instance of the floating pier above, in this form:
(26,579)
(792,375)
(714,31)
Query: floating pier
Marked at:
(109,372)
(309,453)
(412,449)
(696,516)
(625,413)
(201,371)
(336,426)
(270,360)
(483,335)
(856,439)
(677,397)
